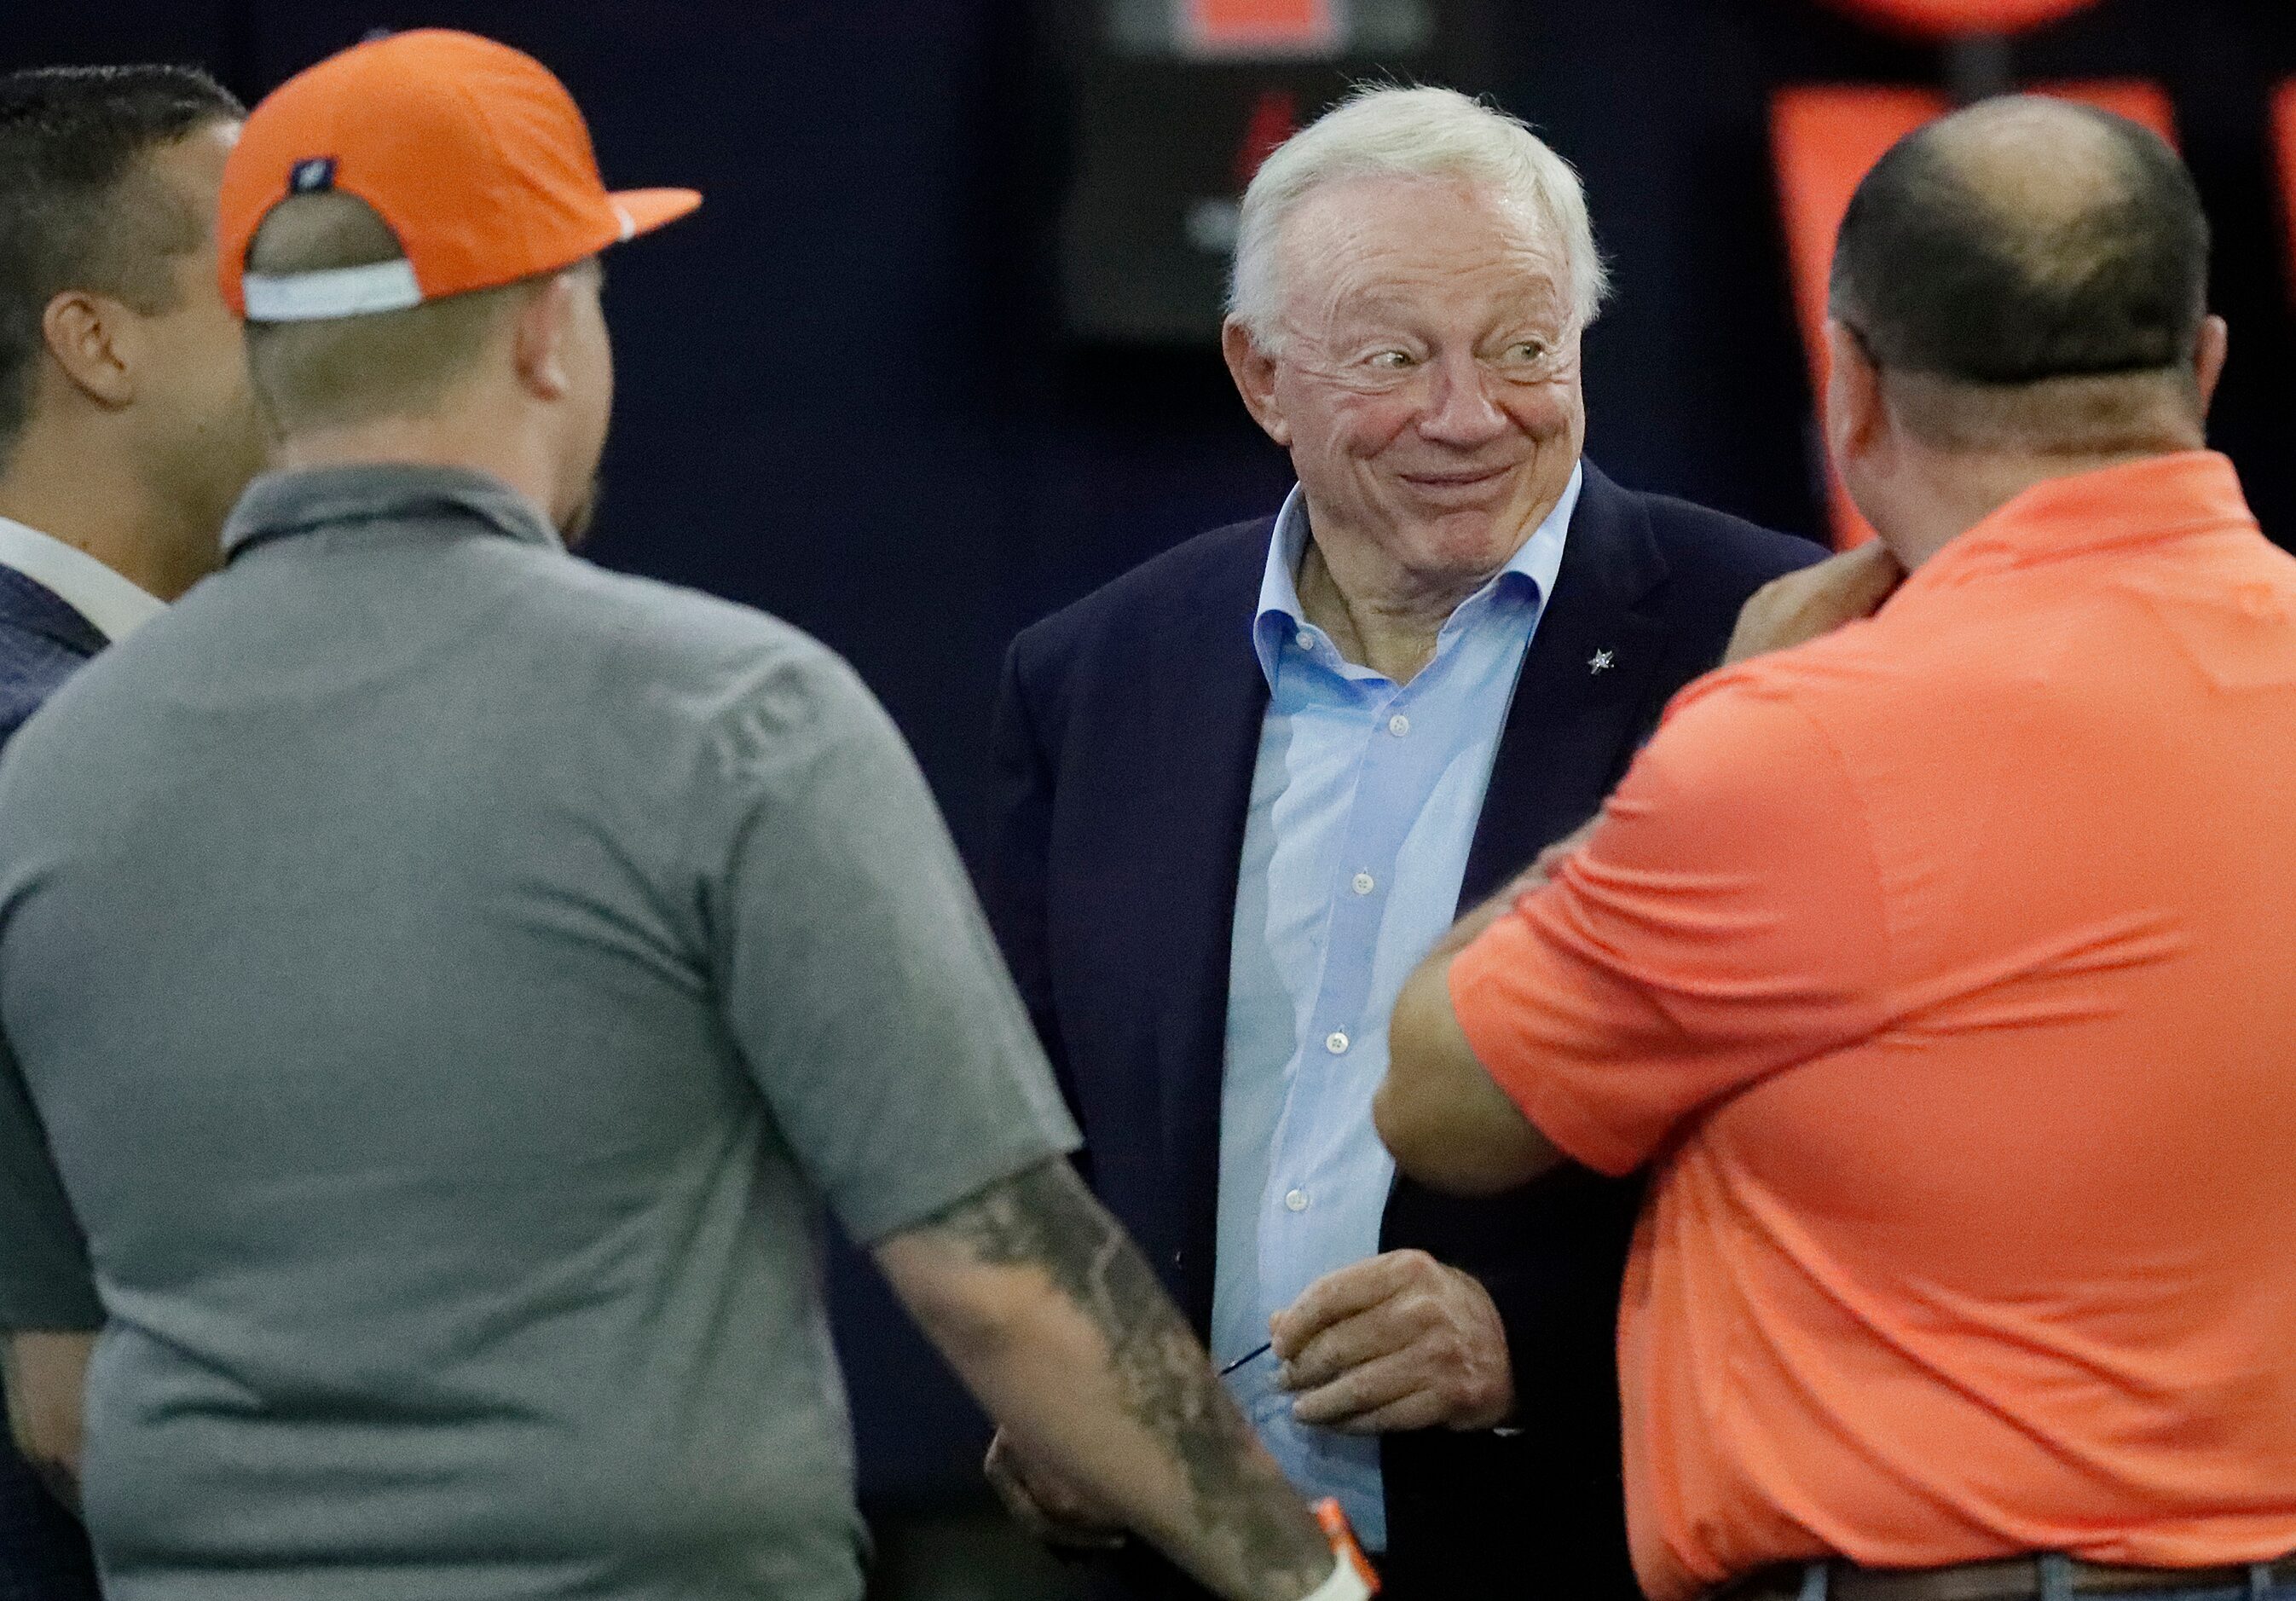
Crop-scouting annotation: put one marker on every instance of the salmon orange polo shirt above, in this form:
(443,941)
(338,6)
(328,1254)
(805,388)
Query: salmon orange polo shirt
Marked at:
(1943,971)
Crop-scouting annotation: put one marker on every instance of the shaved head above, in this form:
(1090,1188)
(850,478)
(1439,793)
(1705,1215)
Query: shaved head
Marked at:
(2008,265)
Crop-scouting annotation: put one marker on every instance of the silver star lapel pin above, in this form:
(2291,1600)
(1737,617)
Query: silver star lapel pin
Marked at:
(1598,661)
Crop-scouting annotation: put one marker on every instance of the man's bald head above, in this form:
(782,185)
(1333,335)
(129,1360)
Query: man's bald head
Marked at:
(2026,268)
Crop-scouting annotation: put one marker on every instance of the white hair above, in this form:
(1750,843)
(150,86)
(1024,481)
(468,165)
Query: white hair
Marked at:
(1386,131)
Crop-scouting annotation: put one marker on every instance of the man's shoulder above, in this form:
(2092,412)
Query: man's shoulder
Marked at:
(1702,543)
(1219,570)
(663,631)
(1858,694)
(691,671)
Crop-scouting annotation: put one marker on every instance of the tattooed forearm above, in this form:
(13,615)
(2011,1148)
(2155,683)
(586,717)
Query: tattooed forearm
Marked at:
(1044,1218)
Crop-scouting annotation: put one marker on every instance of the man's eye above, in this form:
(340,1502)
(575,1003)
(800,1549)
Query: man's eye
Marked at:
(1391,361)
(1529,349)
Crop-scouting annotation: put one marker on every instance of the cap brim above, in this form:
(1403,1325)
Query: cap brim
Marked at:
(642,210)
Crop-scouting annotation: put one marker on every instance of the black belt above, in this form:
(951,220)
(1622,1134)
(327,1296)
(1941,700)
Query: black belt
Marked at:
(2012,1579)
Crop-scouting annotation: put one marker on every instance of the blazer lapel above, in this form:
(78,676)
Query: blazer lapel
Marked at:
(31,606)
(1582,703)
(1581,700)
(1207,738)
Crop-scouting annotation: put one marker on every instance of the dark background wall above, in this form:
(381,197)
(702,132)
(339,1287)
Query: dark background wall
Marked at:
(844,397)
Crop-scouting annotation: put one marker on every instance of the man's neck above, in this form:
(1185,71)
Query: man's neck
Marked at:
(93,508)
(1378,613)
(426,442)
(1957,492)
(1392,629)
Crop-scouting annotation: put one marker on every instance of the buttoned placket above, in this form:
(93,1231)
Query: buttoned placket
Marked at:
(1399,763)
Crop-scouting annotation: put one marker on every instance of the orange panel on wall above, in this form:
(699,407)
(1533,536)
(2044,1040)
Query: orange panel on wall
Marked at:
(1824,141)
(1957,19)
(1260,24)
(2283,139)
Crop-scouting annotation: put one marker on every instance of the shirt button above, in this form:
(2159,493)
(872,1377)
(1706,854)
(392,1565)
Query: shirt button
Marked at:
(1336,1042)
(1304,640)
(1296,1200)
(1398,724)
(1363,883)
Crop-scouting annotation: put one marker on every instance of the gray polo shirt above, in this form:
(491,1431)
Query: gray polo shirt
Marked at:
(441,980)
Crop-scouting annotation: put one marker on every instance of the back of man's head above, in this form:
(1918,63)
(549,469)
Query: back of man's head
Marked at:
(80,208)
(343,372)
(2029,276)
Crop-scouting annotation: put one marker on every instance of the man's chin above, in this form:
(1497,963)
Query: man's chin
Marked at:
(1459,546)
(1499,512)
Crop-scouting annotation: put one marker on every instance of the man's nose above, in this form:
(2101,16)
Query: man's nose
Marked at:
(1460,410)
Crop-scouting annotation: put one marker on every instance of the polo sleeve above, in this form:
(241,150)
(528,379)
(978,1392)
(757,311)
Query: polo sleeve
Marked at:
(44,1279)
(857,973)
(1724,923)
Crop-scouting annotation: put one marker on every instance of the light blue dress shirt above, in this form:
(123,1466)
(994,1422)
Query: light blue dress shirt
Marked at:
(1363,803)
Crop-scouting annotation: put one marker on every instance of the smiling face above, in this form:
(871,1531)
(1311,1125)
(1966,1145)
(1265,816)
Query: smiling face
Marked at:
(1424,376)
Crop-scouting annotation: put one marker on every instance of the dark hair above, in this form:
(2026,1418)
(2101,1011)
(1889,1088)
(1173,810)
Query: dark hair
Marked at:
(71,214)
(1937,276)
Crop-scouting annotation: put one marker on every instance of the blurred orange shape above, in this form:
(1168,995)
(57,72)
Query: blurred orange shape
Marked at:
(1958,19)
(1241,24)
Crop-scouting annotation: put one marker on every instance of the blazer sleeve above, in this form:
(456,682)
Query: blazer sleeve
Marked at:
(1564,1318)
(1017,871)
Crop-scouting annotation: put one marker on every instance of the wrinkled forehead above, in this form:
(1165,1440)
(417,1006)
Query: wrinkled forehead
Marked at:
(1444,246)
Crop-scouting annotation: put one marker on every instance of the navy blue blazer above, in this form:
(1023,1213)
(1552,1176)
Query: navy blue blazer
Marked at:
(42,642)
(44,1556)
(1126,730)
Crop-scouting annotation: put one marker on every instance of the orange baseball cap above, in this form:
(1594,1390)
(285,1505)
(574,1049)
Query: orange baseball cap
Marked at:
(474,153)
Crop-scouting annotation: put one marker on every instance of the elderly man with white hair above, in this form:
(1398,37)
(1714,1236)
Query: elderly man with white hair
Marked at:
(1246,786)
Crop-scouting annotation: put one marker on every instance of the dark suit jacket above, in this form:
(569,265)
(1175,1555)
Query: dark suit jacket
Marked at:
(1127,733)
(44,1556)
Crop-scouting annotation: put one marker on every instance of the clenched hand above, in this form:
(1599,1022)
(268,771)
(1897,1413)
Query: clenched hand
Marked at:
(1816,600)
(1399,1341)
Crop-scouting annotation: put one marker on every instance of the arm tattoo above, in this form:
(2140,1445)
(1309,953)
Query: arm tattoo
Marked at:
(1045,1219)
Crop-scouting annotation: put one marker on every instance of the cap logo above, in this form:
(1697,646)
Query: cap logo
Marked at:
(312,176)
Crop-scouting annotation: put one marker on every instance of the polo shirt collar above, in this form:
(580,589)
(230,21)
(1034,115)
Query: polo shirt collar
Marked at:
(2159,498)
(281,504)
(1278,614)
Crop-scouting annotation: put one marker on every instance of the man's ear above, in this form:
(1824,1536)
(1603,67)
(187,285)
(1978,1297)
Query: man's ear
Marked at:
(2208,354)
(541,336)
(1856,418)
(1254,372)
(95,340)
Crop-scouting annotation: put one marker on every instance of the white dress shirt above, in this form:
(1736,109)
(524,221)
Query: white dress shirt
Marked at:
(117,607)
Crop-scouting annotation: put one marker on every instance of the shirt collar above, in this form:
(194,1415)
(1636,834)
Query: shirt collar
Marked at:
(1532,568)
(2159,498)
(115,607)
(281,504)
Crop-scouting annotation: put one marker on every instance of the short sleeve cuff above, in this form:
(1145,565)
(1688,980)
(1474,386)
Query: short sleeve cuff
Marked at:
(50,1304)
(1486,982)
(953,1182)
